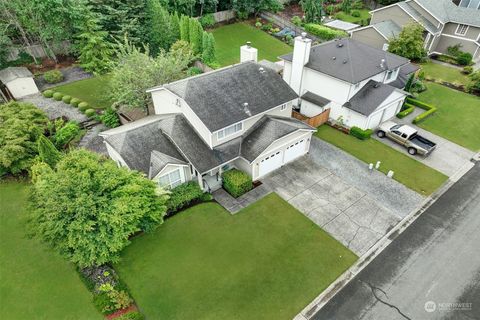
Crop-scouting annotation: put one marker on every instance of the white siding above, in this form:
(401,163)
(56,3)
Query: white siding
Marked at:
(311,110)
(115,156)
(243,165)
(22,87)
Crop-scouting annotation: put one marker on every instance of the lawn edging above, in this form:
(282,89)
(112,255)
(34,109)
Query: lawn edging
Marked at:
(335,287)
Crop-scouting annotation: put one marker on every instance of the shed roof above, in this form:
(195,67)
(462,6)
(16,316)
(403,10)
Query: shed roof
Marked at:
(12,73)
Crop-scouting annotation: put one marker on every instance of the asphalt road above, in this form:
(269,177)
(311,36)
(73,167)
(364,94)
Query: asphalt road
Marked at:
(431,271)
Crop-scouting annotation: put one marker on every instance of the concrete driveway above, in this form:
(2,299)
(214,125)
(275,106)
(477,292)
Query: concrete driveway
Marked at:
(354,216)
(447,158)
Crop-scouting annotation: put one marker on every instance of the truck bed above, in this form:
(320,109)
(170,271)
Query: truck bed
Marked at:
(423,142)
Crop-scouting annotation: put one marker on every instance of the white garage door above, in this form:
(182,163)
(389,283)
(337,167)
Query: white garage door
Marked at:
(270,163)
(375,120)
(389,112)
(295,150)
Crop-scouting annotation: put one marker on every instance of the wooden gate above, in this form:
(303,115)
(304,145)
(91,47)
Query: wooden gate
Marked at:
(315,121)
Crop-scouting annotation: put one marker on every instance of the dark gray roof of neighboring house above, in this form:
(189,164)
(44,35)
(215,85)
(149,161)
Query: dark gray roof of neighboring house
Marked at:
(418,16)
(404,74)
(218,97)
(12,73)
(447,11)
(265,132)
(350,60)
(388,29)
(315,98)
(369,97)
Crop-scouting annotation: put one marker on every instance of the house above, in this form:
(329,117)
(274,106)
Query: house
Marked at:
(18,81)
(357,84)
(446,24)
(238,116)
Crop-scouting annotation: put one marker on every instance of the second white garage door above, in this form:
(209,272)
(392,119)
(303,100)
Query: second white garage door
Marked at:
(295,150)
(270,163)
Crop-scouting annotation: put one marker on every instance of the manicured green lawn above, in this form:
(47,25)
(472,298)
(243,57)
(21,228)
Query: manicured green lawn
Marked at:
(93,90)
(408,171)
(440,72)
(229,38)
(266,262)
(35,283)
(457,118)
(364,15)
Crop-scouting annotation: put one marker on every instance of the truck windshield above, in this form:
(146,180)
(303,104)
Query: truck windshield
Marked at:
(396,127)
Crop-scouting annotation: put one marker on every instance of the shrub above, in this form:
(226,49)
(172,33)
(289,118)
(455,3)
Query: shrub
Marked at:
(74,102)
(267,27)
(48,93)
(193,71)
(183,196)
(208,20)
(464,59)
(82,106)
(258,24)
(236,182)
(53,76)
(406,110)
(102,302)
(357,5)
(58,96)
(66,134)
(429,109)
(355,13)
(296,20)
(360,133)
(90,112)
(132,315)
(47,151)
(67,99)
(110,118)
(324,33)
(467,70)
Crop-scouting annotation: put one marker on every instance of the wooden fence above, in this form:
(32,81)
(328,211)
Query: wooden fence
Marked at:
(38,50)
(316,121)
(222,16)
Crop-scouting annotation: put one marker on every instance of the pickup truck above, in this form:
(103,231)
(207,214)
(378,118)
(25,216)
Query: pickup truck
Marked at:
(406,136)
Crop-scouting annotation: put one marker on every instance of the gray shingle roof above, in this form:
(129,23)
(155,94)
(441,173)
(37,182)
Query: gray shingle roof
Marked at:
(315,98)
(418,16)
(369,97)
(217,97)
(350,60)
(159,160)
(12,73)
(403,75)
(447,11)
(388,29)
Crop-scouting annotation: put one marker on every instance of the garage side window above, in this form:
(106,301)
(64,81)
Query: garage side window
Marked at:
(171,180)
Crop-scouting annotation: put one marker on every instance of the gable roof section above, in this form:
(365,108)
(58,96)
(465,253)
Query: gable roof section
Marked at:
(159,160)
(369,97)
(447,11)
(418,17)
(218,97)
(12,73)
(350,60)
(388,29)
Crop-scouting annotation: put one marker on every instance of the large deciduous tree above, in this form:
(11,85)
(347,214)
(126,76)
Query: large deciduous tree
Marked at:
(244,8)
(21,124)
(409,43)
(88,207)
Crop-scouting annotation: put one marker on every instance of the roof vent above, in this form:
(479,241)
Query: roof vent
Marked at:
(334,58)
(261,69)
(249,44)
(345,61)
(376,85)
(339,45)
(246,110)
(382,64)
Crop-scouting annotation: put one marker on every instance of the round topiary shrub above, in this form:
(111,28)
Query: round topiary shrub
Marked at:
(67,99)
(74,102)
(58,96)
(82,106)
(90,112)
(355,13)
(53,76)
(48,93)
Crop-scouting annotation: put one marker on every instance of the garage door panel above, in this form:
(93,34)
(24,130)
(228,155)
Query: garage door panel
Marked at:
(295,150)
(390,112)
(375,120)
(270,163)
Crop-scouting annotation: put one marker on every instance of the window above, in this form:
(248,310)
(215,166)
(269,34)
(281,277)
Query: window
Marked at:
(228,131)
(171,180)
(389,74)
(283,107)
(461,29)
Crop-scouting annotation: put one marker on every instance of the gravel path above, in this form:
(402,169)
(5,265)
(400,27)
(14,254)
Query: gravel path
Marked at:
(390,193)
(55,109)
(70,74)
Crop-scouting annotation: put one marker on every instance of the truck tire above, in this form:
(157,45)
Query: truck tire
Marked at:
(412,151)
(381,134)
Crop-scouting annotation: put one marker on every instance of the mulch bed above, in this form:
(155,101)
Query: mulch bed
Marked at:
(118,313)
(48,64)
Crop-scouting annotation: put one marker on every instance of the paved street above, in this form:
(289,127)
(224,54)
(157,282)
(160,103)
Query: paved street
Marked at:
(431,271)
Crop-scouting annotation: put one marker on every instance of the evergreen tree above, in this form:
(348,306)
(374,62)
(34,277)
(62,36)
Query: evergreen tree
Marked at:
(208,54)
(175,26)
(313,10)
(160,27)
(185,28)
(196,36)
(47,151)
(409,83)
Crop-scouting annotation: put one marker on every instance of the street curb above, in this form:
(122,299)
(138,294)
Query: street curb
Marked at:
(323,298)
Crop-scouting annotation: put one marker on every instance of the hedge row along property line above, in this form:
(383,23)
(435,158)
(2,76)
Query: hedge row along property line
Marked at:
(360,133)
(429,109)
(324,33)
(406,110)
(77,103)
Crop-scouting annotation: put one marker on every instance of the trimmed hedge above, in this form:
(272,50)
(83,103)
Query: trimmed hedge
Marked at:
(324,33)
(422,105)
(236,182)
(75,101)
(67,99)
(360,133)
(53,76)
(407,109)
(183,196)
(57,96)
(48,93)
(82,106)
(90,113)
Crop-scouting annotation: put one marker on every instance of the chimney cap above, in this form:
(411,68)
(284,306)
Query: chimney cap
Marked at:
(304,35)
(249,44)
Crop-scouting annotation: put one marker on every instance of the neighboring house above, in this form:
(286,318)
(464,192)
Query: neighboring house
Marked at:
(445,24)
(19,82)
(238,116)
(358,83)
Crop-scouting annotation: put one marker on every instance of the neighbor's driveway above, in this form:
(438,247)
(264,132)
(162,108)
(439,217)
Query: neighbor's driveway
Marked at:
(354,215)
(447,157)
